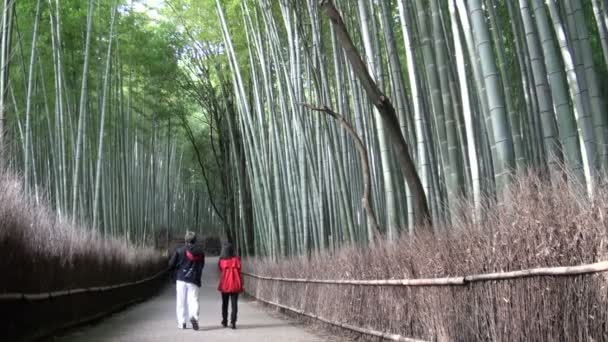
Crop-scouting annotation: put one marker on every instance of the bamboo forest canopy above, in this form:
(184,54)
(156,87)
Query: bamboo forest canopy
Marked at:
(299,126)
(92,108)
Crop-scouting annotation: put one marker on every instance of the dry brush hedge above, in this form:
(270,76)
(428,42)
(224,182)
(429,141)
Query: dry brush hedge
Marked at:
(41,253)
(538,225)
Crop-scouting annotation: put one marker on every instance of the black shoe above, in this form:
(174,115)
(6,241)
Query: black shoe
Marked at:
(233,325)
(224,324)
(194,323)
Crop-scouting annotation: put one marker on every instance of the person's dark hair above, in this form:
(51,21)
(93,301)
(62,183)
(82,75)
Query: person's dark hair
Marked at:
(227,251)
(190,237)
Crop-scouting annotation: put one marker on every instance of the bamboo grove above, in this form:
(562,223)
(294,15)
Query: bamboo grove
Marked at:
(483,89)
(89,117)
(298,126)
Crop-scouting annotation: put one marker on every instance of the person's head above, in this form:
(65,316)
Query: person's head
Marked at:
(227,250)
(190,238)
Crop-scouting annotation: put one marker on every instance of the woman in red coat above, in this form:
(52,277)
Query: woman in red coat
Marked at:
(231,283)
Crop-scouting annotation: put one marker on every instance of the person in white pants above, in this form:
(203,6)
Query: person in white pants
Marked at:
(187,302)
(187,263)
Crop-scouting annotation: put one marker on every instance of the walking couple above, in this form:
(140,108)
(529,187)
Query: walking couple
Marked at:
(187,265)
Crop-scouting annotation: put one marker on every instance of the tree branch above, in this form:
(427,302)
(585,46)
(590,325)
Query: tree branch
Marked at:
(366,200)
(202,165)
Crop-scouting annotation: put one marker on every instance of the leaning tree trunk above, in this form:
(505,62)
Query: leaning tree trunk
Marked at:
(385,152)
(386,110)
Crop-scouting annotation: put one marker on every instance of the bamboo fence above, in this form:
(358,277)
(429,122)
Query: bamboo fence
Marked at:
(601,266)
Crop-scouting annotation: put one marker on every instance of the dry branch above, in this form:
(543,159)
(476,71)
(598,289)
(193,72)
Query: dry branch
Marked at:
(366,199)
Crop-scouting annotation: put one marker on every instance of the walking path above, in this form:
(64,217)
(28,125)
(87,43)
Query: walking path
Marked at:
(154,321)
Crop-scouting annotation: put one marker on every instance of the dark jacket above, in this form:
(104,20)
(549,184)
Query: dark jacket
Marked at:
(187,264)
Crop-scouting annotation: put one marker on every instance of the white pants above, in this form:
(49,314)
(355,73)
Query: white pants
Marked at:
(187,297)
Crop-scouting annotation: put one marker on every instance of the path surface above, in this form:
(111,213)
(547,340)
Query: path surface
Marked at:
(154,321)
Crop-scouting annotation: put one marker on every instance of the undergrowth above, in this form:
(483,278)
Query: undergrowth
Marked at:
(538,224)
(39,251)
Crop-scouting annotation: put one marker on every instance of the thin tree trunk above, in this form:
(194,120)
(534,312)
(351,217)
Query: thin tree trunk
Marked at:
(82,112)
(102,123)
(28,106)
(5,49)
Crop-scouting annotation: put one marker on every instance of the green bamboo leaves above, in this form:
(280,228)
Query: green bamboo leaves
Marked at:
(86,132)
(474,106)
(449,98)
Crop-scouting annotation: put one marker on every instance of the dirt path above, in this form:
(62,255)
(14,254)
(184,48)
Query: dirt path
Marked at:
(154,320)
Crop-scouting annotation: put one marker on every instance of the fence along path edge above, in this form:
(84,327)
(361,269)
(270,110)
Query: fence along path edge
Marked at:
(601,266)
(392,337)
(55,294)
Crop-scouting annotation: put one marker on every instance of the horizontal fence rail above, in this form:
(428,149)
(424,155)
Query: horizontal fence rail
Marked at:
(55,294)
(601,266)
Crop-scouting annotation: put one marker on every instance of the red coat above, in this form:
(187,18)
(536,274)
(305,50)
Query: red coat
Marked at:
(230,280)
